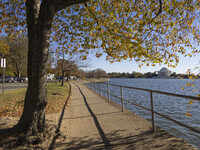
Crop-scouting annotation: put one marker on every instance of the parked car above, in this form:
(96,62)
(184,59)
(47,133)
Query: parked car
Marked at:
(21,79)
(7,79)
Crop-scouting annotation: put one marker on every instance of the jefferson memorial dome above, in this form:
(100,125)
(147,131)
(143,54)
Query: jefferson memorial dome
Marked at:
(164,72)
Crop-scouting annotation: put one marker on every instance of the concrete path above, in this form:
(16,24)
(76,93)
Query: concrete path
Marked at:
(91,122)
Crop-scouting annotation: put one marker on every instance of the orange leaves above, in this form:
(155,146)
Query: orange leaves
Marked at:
(187,84)
(188,114)
(84,57)
(125,57)
(191,86)
(12,107)
(12,16)
(183,52)
(93,8)
(98,55)
(188,15)
(188,108)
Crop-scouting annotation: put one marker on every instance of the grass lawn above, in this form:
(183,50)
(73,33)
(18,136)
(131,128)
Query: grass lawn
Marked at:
(11,102)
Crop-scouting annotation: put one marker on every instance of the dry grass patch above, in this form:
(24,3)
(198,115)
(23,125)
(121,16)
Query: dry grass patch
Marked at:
(57,96)
(11,102)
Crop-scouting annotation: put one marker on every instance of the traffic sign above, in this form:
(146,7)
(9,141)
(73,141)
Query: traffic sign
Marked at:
(3,63)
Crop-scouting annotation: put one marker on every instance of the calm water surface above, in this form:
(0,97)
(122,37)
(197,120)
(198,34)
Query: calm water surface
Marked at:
(170,106)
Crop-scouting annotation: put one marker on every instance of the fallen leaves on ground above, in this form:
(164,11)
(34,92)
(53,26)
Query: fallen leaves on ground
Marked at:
(12,102)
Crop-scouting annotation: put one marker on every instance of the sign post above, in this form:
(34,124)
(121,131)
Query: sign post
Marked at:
(3,65)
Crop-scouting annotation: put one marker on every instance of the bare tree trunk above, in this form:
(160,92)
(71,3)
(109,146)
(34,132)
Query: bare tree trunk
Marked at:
(63,72)
(63,78)
(68,76)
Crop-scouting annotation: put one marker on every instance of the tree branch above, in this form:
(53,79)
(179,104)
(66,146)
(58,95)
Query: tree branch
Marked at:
(61,4)
(159,12)
(93,15)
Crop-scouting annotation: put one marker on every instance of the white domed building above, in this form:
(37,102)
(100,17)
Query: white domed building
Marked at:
(164,72)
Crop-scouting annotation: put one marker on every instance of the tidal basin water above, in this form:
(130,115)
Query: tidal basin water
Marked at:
(171,106)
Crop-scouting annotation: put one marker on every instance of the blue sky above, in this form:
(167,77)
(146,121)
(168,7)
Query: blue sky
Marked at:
(130,66)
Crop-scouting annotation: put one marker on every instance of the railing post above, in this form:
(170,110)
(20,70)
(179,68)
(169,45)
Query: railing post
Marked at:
(122,100)
(92,86)
(152,111)
(108,92)
(95,86)
(100,88)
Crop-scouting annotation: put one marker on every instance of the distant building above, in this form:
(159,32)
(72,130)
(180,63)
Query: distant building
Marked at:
(164,72)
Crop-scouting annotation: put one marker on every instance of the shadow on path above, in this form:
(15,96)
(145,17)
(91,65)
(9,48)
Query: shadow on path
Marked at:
(117,113)
(101,132)
(143,140)
(60,121)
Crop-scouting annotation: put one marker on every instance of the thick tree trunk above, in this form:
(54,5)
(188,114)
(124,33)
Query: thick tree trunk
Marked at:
(39,28)
(39,21)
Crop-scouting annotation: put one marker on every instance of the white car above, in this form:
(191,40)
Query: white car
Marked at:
(22,79)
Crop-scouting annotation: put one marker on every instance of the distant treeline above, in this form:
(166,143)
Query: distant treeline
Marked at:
(142,75)
(99,73)
(131,75)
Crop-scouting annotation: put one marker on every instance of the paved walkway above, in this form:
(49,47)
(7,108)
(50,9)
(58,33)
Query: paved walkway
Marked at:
(91,122)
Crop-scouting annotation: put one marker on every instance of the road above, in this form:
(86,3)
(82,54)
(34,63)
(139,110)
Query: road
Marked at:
(11,86)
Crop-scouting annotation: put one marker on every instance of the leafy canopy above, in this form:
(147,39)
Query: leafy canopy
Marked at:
(146,31)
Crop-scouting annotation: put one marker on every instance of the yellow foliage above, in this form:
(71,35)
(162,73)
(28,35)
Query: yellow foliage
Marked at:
(188,114)
(4,48)
(191,102)
(188,84)
(109,22)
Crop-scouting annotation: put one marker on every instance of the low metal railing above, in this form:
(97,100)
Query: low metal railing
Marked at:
(94,86)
